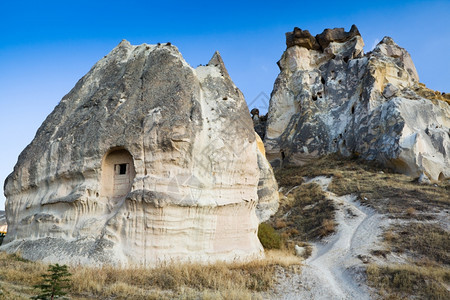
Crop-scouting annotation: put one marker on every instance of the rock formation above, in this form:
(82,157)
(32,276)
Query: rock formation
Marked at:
(259,122)
(145,160)
(329,97)
(2,217)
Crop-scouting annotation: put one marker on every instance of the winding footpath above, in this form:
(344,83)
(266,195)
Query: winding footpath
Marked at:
(334,270)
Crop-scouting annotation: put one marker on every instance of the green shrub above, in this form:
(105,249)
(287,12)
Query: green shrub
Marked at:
(269,238)
(54,283)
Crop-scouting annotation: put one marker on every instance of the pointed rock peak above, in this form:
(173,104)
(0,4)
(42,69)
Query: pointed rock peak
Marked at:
(354,30)
(387,46)
(387,40)
(124,43)
(217,62)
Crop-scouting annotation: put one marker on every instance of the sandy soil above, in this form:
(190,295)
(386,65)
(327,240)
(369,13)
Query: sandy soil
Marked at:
(335,268)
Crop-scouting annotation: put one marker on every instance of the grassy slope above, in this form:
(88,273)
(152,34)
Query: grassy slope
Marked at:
(420,238)
(171,281)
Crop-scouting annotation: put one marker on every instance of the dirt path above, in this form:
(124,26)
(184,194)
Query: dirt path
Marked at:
(334,270)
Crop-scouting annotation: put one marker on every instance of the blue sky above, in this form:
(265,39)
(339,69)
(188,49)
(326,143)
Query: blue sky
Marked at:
(46,46)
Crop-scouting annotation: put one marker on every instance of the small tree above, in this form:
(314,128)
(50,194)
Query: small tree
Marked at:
(54,283)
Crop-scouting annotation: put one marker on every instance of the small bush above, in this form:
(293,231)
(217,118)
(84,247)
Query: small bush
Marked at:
(269,238)
(54,283)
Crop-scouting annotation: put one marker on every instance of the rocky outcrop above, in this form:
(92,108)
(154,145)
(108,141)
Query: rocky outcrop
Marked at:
(321,41)
(267,186)
(333,98)
(259,122)
(145,160)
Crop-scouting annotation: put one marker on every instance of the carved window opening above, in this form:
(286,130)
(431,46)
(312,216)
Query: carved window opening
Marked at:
(121,169)
(117,174)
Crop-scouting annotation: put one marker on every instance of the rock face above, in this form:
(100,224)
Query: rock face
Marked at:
(145,160)
(2,217)
(333,98)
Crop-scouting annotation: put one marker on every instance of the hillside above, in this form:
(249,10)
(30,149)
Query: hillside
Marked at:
(370,234)
(366,226)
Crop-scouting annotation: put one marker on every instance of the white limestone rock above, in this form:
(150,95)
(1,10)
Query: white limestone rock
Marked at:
(267,186)
(145,160)
(336,99)
(300,251)
(423,179)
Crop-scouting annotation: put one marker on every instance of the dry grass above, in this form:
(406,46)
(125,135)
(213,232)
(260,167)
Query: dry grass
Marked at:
(380,188)
(424,244)
(306,214)
(179,281)
(425,92)
(405,281)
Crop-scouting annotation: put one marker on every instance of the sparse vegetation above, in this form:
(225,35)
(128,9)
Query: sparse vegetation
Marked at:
(423,242)
(425,92)
(427,273)
(403,281)
(312,213)
(378,187)
(305,214)
(170,281)
(418,238)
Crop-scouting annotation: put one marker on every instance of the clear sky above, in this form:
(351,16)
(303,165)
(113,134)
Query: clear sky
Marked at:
(47,46)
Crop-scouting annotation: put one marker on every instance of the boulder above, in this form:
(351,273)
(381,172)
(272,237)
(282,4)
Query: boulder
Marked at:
(145,160)
(390,90)
(340,100)
(423,179)
(301,38)
(300,251)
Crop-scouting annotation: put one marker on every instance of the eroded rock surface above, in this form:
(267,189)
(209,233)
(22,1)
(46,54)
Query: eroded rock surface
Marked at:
(145,160)
(333,98)
(2,218)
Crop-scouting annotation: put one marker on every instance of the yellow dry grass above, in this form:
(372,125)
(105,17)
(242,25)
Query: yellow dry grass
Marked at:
(425,92)
(170,281)
(401,281)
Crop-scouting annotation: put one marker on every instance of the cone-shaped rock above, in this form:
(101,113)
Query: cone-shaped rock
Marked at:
(145,160)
